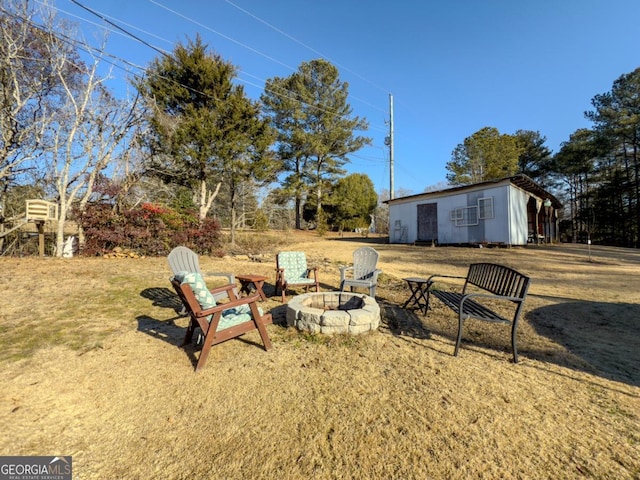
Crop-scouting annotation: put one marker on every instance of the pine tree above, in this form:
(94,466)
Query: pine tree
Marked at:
(316,130)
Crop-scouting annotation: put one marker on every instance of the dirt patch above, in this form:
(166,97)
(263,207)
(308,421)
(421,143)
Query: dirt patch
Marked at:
(92,369)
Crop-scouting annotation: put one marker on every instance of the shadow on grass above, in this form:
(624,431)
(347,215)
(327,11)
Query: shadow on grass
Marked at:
(162,297)
(402,322)
(372,240)
(596,337)
(167,330)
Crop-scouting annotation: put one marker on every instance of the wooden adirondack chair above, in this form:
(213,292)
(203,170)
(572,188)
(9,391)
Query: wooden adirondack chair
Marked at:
(218,322)
(364,273)
(292,270)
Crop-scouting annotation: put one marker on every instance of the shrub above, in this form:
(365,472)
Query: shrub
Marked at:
(150,229)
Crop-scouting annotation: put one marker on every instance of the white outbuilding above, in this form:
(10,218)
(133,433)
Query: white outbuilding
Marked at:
(509,211)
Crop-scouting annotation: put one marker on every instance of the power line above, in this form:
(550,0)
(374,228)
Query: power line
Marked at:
(104,19)
(119,32)
(123,31)
(304,45)
(91,50)
(85,47)
(135,37)
(258,52)
(220,34)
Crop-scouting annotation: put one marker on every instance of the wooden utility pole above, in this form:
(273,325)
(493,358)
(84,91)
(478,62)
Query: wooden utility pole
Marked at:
(391,186)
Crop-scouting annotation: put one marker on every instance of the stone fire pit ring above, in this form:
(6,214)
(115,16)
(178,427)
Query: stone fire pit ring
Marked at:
(333,312)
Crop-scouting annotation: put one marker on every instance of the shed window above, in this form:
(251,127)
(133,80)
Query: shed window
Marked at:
(465,216)
(485,207)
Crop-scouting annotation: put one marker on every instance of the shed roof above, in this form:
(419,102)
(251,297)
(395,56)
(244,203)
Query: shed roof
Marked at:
(521,181)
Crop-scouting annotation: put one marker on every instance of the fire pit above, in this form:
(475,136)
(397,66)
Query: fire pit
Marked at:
(333,312)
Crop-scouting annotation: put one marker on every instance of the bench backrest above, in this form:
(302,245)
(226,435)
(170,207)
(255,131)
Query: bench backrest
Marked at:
(498,279)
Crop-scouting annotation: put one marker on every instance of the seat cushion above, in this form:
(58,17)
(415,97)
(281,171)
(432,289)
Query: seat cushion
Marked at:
(235,316)
(301,281)
(230,317)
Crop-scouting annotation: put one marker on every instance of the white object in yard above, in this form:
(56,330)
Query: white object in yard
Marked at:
(67,249)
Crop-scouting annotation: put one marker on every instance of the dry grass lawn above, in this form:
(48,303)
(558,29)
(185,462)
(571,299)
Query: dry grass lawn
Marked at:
(91,368)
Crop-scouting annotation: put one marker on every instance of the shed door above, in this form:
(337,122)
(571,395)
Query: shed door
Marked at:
(428,222)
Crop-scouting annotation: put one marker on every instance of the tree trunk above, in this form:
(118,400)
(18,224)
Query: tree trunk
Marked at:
(233,215)
(206,199)
(298,208)
(62,218)
(202,211)
(636,166)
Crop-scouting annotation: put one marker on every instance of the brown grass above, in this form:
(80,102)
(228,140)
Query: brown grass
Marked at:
(91,368)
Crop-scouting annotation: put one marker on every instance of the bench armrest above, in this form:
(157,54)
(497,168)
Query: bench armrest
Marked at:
(343,272)
(221,307)
(230,290)
(469,296)
(430,279)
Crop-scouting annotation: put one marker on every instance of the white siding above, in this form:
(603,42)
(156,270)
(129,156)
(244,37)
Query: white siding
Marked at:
(509,224)
(407,215)
(498,229)
(448,232)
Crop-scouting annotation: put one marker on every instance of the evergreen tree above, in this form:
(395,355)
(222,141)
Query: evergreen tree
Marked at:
(203,129)
(354,200)
(535,157)
(616,116)
(485,155)
(316,130)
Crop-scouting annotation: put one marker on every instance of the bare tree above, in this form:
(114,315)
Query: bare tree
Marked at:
(26,85)
(88,128)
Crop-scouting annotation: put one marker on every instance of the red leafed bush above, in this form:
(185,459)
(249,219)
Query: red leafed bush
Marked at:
(150,229)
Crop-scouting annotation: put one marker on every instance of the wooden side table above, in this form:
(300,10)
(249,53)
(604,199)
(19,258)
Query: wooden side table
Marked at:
(418,287)
(246,281)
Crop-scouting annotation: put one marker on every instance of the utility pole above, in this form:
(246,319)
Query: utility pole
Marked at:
(389,142)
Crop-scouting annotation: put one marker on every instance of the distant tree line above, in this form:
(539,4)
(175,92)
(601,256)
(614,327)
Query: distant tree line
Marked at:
(186,149)
(187,143)
(596,172)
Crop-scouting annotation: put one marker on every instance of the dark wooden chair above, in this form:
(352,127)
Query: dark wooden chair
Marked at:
(292,270)
(221,322)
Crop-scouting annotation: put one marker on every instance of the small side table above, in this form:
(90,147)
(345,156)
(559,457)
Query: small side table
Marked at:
(419,287)
(246,281)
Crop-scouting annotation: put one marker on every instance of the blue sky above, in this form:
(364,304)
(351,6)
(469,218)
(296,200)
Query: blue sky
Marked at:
(452,66)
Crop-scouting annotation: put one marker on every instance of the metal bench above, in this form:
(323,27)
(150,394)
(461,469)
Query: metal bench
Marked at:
(495,282)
